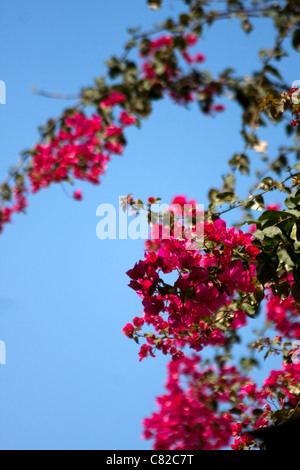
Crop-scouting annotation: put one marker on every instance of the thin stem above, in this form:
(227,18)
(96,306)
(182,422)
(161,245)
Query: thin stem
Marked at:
(240,204)
(60,96)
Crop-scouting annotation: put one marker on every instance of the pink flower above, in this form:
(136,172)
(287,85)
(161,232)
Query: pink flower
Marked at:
(236,428)
(240,319)
(273,207)
(138,321)
(219,108)
(180,200)
(261,423)
(187,56)
(126,119)
(128,330)
(149,71)
(191,39)
(113,130)
(161,42)
(77,195)
(252,228)
(113,99)
(249,389)
(153,305)
(200,58)
(216,337)
(145,351)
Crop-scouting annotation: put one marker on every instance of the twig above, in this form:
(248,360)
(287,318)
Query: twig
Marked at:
(60,96)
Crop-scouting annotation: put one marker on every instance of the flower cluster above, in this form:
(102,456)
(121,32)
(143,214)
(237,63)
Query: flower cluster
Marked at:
(79,147)
(210,408)
(199,308)
(19,205)
(284,313)
(79,150)
(187,418)
(198,410)
(162,67)
(75,152)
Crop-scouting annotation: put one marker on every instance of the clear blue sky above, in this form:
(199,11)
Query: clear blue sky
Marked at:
(72,379)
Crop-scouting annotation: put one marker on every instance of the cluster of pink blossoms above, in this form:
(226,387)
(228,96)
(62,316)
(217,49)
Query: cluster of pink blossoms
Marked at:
(83,145)
(82,151)
(187,418)
(167,43)
(186,312)
(212,408)
(74,152)
(79,150)
(216,407)
(19,205)
(284,313)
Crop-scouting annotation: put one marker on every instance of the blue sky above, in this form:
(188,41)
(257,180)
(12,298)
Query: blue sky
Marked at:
(72,379)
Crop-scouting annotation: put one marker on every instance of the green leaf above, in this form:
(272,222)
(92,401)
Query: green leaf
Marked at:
(115,67)
(264,273)
(5,192)
(250,309)
(296,167)
(222,359)
(184,19)
(241,162)
(266,183)
(257,412)
(272,232)
(236,411)
(213,193)
(273,71)
(270,217)
(259,294)
(292,202)
(284,257)
(179,43)
(159,67)
(227,196)
(294,213)
(258,204)
(246,25)
(251,139)
(247,363)
(259,234)
(264,52)
(293,234)
(145,46)
(283,289)
(268,353)
(229,181)
(296,40)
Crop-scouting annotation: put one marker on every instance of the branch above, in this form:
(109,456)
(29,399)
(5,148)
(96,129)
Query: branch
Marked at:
(54,95)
